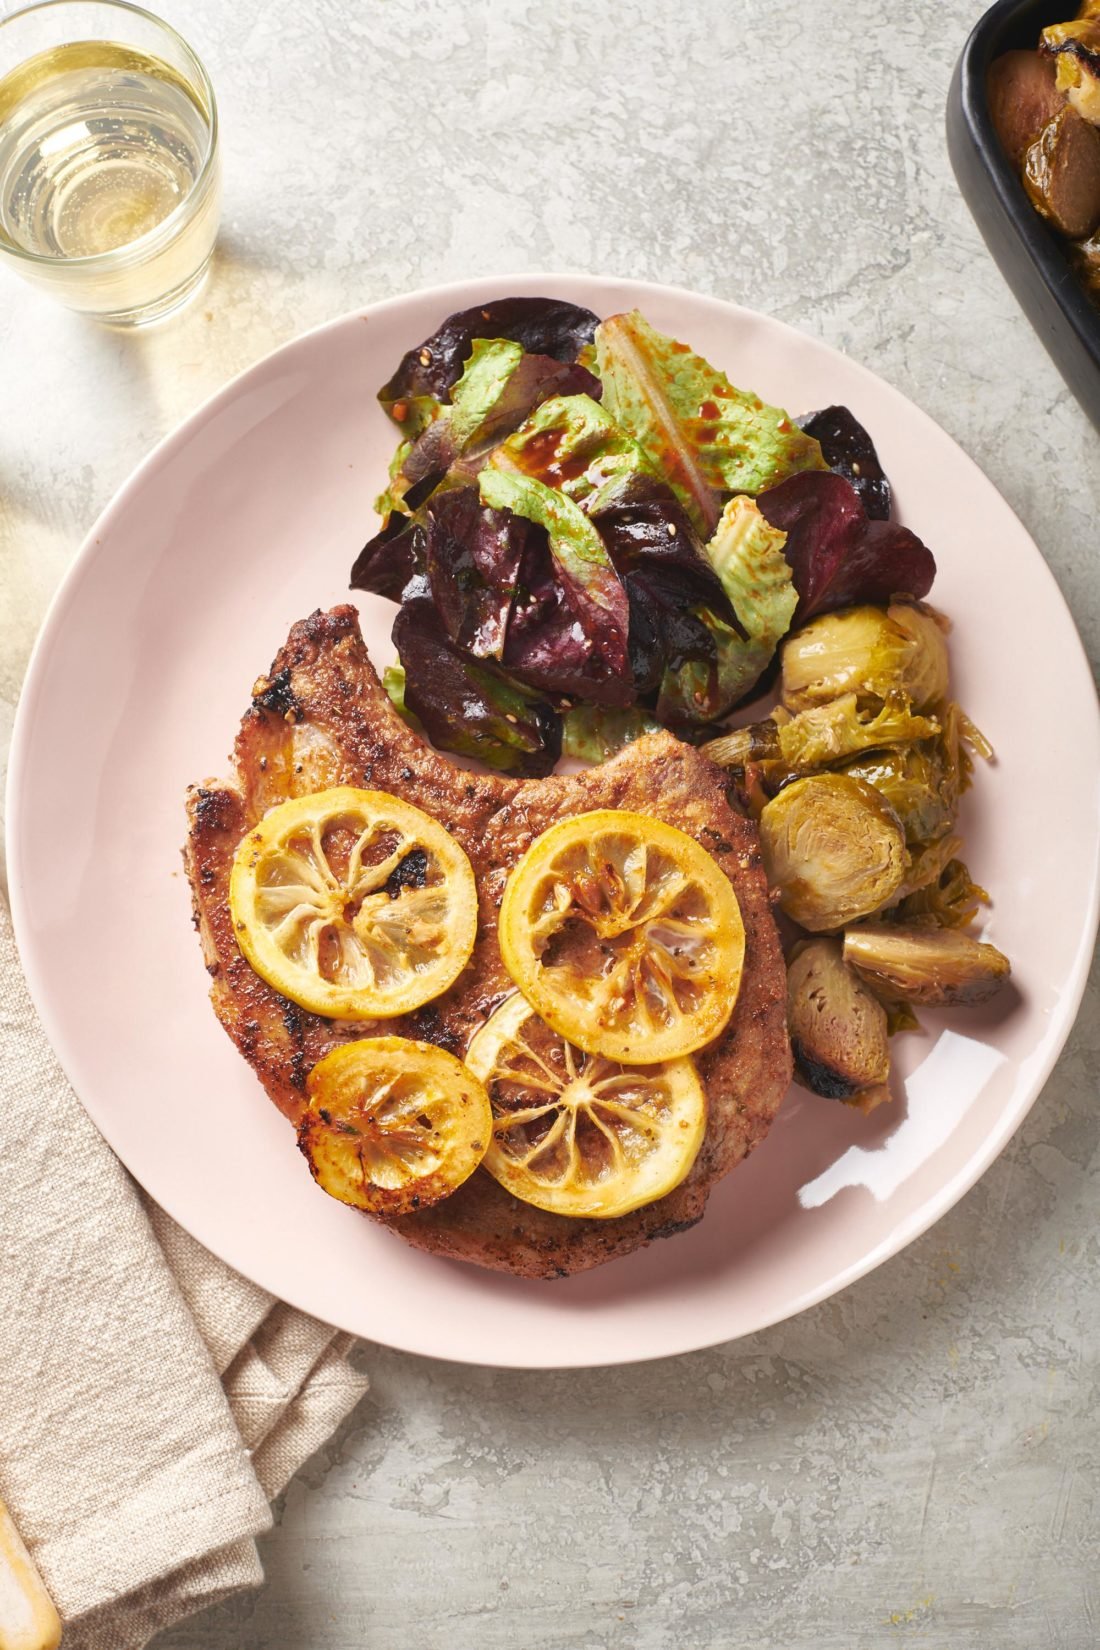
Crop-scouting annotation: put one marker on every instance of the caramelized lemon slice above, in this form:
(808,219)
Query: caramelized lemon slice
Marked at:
(353,904)
(578,1134)
(624,935)
(393,1125)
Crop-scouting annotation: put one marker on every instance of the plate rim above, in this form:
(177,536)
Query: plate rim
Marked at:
(477,287)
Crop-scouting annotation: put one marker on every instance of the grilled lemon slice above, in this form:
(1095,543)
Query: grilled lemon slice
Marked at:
(624,935)
(576,1133)
(353,904)
(393,1126)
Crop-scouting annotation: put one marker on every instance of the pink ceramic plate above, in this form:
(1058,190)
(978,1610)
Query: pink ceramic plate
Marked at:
(248,518)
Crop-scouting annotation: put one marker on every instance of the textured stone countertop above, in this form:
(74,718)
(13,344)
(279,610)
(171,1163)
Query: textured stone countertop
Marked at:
(917,1460)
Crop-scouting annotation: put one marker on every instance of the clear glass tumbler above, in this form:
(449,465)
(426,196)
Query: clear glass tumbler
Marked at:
(109,173)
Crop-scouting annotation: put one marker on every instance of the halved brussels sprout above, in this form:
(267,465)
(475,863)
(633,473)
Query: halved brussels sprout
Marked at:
(869,652)
(838,1027)
(834,849)
(936,966)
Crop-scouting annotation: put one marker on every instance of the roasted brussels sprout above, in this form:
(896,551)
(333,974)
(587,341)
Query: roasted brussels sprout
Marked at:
(1075,48)
(911,778)
(866,651)
(828,733)
(936,966)
(838,1027)
(819,737)
(834,849)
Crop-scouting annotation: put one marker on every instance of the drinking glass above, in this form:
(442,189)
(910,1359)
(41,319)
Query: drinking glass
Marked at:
(109,172)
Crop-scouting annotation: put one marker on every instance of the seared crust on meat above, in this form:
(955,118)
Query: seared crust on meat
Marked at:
(321,717)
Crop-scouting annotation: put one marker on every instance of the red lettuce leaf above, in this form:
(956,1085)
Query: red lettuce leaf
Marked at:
(467,706)
(473,562)
(665,633)
(549,646)
(542,326)
(849,450)
(837,555)
(569,628)
(396,554)
(646,529)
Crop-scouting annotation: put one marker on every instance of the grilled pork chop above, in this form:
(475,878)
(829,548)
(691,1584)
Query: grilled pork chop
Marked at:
(321,717)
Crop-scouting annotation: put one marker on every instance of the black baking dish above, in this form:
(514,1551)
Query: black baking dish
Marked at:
(1031,257)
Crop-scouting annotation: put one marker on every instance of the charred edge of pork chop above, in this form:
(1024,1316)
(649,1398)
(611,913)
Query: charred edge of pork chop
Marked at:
(321,717)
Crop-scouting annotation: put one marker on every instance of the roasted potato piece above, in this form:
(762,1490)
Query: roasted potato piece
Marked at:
(1075,50)
(936,966)
(869,652)
(838,1027)
(834,849)
(1062,174)
(1023,95)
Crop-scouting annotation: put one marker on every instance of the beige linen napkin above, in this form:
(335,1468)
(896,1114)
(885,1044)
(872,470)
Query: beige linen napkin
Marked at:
(152,1402)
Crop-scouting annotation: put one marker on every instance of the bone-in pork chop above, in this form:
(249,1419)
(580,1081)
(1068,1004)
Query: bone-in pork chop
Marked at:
(320,718)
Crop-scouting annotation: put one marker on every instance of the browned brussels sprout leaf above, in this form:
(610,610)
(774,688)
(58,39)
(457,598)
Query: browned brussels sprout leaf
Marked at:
(929,862)
(839,1034)
(849,450)
(541,326)
(911,778)
(469,707)
(938,967)
(951,900)
(838,556)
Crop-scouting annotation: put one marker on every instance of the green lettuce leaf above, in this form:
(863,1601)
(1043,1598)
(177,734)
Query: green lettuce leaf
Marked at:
(393,680)
(497,389)
(569,443)
(747,554)
(485,377)
(706,437)
(591,733)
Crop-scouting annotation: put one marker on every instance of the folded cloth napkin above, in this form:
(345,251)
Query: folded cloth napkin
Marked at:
(152,1402)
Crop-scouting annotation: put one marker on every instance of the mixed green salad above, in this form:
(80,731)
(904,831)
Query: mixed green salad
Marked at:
(590,531)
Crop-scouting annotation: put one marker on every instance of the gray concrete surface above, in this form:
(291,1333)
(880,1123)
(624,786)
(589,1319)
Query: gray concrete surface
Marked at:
(915,1461)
